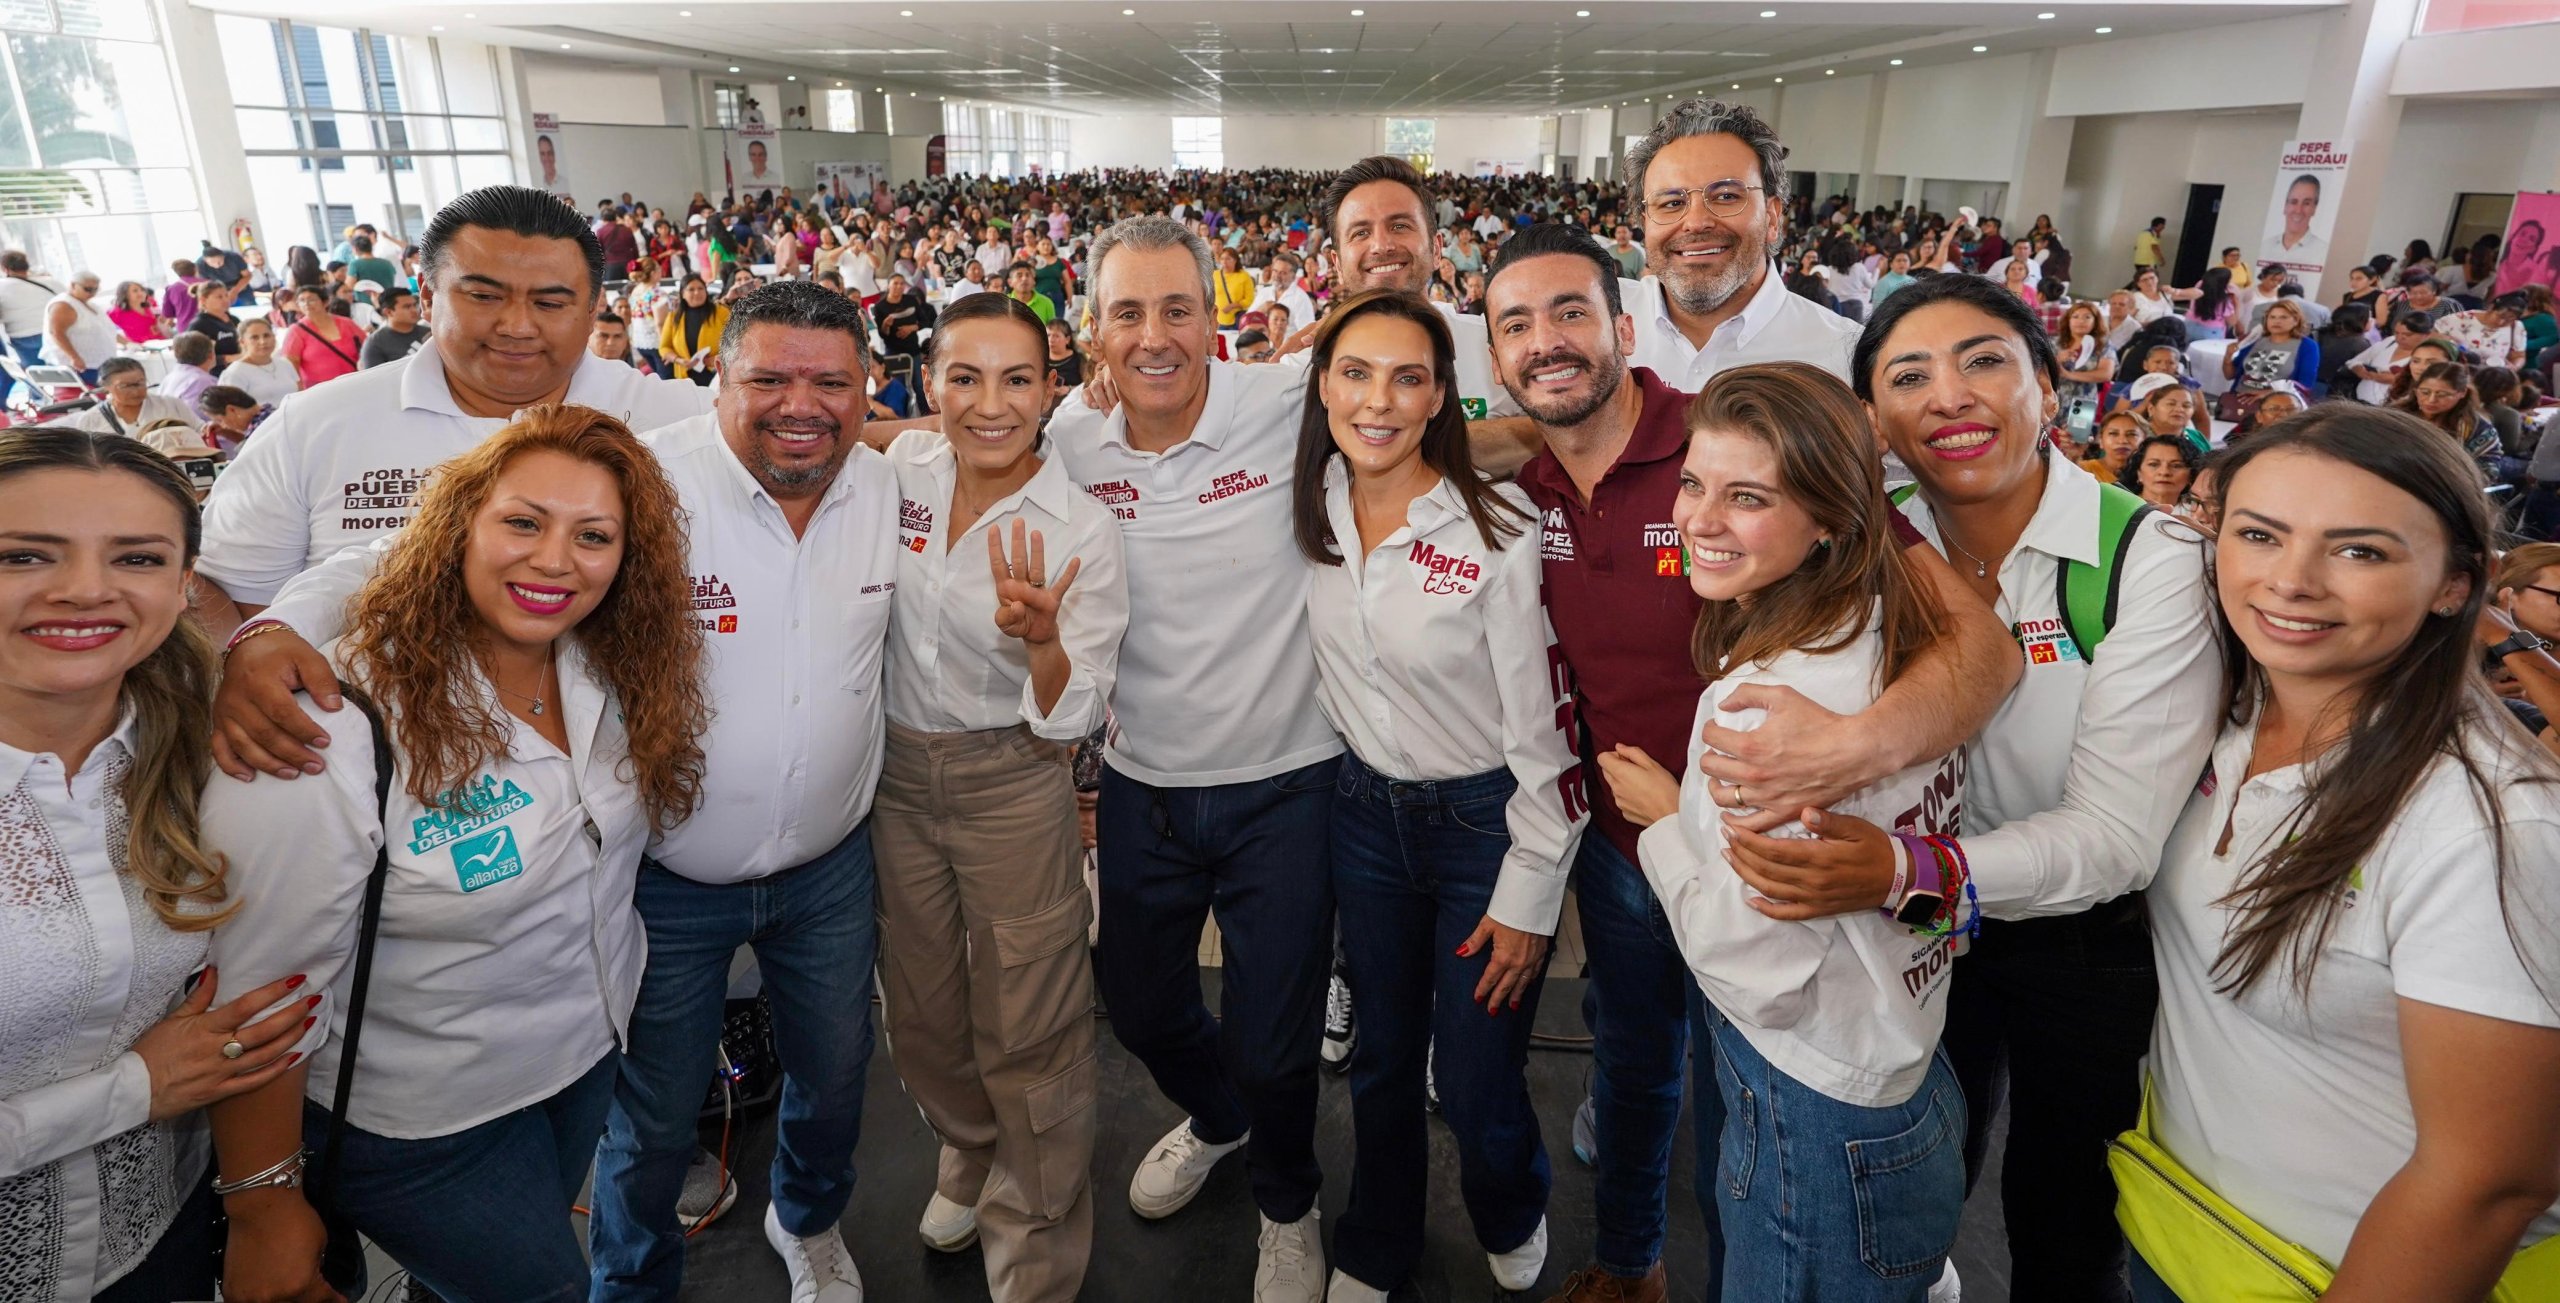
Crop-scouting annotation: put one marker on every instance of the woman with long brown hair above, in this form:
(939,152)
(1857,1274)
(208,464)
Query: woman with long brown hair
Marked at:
(106,1052)
(1452,825)
(2081,350)
(530,646)
(2441,395)
(2355,918)
(1826,1031)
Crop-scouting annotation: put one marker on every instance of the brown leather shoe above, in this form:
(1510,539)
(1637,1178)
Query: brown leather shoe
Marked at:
(1593,1285)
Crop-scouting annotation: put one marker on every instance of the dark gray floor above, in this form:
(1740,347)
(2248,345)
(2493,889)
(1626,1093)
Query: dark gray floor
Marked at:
(1206,1252)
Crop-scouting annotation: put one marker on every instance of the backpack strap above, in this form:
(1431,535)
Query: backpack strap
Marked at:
(365,935)
(2086,595)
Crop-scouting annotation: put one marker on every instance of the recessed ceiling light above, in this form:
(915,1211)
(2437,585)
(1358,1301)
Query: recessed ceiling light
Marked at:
(436,28)
(2041,17)
(1897,63)
(1582,13)
(1982,49)
(564,45)
(1768,13)
(1737,85)
(874,90)
(471,15)
(733,67)
(793,77)
(2104,30)
(839,83)
(1831,72)
(1128,13)
(1359,13)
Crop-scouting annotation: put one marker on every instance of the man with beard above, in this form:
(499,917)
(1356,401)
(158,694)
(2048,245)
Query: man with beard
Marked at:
(1620,603)
(1710,180)
(792,553)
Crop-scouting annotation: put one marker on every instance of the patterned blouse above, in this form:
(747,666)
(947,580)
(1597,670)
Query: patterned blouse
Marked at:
(88,1183)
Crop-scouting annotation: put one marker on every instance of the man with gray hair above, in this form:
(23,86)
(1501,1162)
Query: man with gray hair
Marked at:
(1217,785)
(1710,181)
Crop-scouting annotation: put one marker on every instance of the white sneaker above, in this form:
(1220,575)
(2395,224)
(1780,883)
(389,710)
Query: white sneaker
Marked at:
(821,1270)
(1948,1289)
(1344,1289)
(708,1191)
(1518,1269)
(949,1225)
(1291,1269)
(1174,1171)
(1340,1033)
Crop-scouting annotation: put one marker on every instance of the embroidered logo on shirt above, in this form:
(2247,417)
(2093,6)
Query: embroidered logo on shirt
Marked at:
(1448,574)
(1669,557)
(1476,408)
(2355,887)
(724,624)
(1118,495)
(915,519)
(488,858)
(1233,483)
(1555,536)
(465,810)
(2046,641)
(710,593)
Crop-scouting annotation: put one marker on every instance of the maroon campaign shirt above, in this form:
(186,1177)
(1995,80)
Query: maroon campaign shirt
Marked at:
(1617,592)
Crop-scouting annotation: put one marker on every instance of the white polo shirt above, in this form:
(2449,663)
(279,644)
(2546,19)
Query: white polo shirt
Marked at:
(796,628)
(1434,661)
(1773,326)
(510,949)
(2073,785)
(345,462)
(950,668)
(1217,682)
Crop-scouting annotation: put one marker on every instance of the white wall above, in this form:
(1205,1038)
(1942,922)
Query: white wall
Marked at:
(2232,66)
(1312,142)
(2126,169)
(1824,122)
(1955,121)
(2505,58)
(2446,147)
(1134,140)
(655,164)
(1461,141)
(590,92)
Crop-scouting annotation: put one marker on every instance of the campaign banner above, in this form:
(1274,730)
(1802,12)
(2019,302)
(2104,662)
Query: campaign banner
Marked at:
(2530,253)
(550,174)
(755,164)
(1501,167)
(936,156)
(852,183)
(2304,209)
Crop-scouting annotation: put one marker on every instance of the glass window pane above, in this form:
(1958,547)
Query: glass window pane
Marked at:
(479,133)
(15,151)
(267,129)
(43,194)
(98,101)
(413,61)
(284,190)
(249,59)
(470,84)
(125,20)
(26,15)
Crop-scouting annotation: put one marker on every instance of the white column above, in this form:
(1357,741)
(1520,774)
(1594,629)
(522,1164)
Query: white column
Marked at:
(515,106)
(2350,99)
(223,191)
(2042,154)
(1870,182)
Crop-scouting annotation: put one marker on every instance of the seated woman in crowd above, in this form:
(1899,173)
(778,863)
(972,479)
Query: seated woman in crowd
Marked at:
(2434,350)
(1823,1047)
(1010,605)
(2163,467)
(2364,290)
(1451,835)
(2342,341)
(2355,912)
(214,321)
(689,332)
(2443,398)
(1897,274)
(2280,349)
(2378,367)
(322,344)
(2166,407)
(2119,433)
(126,403)
(2087,363)
(2282,399)
(2498,389)
(2211,306)
(135,315)
(111,1038)
(530,644)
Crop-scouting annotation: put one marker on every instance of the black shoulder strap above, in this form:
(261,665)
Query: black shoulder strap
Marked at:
(365,934)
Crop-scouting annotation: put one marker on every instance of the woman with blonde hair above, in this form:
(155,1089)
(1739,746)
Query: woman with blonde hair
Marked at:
(106,1052)
(529,645)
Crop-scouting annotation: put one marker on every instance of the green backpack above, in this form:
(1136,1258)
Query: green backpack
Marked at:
(2086,594)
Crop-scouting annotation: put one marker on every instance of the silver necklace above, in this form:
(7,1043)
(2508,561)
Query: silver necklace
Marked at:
(536,699)
(1981,568)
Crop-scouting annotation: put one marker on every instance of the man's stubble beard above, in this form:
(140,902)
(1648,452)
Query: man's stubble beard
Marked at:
(1701,296)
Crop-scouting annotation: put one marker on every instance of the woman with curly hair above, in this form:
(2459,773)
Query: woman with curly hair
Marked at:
(529,644)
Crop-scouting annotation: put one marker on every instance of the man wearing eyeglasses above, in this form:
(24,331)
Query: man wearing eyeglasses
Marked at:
(1711,182)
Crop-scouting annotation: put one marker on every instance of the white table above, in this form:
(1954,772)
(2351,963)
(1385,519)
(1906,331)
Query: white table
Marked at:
(2204,362)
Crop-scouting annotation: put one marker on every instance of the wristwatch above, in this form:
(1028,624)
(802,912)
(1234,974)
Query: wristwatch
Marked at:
(1919,907)
(2522,640)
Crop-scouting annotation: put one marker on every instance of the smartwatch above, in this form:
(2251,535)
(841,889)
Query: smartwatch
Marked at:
(2522,640)
(1919,908)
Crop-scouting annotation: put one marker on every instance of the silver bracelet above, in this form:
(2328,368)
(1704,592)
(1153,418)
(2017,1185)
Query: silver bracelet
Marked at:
(286,1174)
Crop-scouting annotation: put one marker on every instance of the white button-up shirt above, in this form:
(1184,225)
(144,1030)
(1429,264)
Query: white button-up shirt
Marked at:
(1217,684)
(510,950)
(796,628)
(950,668)
(88,1183)
(1773,326)
(1435,661)
(2075,782)
(346,462)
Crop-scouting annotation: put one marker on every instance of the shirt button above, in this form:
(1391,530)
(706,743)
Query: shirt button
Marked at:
(795,624)
(795,698)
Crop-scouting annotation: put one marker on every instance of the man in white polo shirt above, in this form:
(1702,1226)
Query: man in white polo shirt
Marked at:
(513,276)
(1710,180)
(793,557)
(1217,786)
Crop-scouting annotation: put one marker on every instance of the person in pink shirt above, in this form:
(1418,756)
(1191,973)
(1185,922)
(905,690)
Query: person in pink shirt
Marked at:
(133,314)
(322,344)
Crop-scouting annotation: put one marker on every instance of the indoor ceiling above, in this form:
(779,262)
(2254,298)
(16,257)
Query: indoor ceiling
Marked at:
(1282,56)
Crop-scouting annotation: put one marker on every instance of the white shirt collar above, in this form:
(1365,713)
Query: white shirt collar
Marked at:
(1217,414)
(2066,521)
(1049,488)
(1763,307)
(424,386)
(14,762)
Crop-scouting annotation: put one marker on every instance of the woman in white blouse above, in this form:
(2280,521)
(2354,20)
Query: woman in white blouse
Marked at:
(106,893)
(1002,648)
(1826,1030)
(1459,805)
(529,641)
(2357,919)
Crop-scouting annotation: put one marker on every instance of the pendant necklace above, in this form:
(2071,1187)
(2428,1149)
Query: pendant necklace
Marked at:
(536,699)
(1981,568)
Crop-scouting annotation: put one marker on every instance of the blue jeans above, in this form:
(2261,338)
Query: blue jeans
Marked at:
(29,349)
(1647,1022)
(1254,854)
(1413,872)
(1829,1201)
(482,1215)
(814,937)
(2147,1285)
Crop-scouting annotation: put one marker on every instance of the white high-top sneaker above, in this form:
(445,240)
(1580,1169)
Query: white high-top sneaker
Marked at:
(1518,1269)
(1174,1171)
(1292,1265)
(1345,1289)
(948,1225)
(821,1270)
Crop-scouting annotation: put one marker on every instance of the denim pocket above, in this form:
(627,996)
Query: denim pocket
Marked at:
(1910,1192)
(1310,778)
(1738,1153)
(1489,817)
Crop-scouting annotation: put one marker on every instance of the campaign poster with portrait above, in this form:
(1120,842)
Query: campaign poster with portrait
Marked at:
(853,184)
(550,172)
(755,160)
(2530,253)
(2308,175)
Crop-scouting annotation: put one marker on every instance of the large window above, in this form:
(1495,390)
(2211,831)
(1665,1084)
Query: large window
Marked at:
(994,140)
(1413,139)
(844,110)
(343,126)
(94,173)
(1199,143)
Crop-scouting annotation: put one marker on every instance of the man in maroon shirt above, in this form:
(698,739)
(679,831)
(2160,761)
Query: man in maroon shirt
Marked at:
(1618,595)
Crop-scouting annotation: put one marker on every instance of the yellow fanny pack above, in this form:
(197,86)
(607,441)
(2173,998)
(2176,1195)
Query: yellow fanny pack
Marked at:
(2207,1251)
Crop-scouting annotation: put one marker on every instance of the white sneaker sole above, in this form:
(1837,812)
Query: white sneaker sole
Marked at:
(967,1237)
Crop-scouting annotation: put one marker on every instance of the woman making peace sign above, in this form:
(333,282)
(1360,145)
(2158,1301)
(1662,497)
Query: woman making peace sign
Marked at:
(993,674)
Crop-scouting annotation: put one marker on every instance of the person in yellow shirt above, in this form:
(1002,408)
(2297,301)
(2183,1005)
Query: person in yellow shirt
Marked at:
(2146,246)
(2238,266)
(1233,287)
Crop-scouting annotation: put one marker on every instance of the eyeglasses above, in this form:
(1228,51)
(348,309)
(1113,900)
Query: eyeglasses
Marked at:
(2438,395)
(1723,199)
(2552,593)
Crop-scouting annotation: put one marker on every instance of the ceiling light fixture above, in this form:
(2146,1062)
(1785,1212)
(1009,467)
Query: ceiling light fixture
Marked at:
(2042,17)
(733,67)
(1359,13)
(684,13)
(1737,85)
(793,77)
(436,28)
(1582,13)
(1831,72)
(1780,80)
(564,45)
(1768,13)
(1896,63)
(2104,30)
(1982,49)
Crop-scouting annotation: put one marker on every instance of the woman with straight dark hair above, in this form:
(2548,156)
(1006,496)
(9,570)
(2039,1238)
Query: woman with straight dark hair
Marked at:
(2356,917)
(1457,809)
(2070,789)
(1826,1030)
(110,1042)
(2162,468)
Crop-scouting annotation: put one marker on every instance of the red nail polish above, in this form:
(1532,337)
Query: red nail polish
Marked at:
(293,981)
(293,1058)
(306,1023)
(313,1002)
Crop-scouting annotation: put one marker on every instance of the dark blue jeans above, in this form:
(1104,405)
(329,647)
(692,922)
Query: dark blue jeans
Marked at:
(814,936)
(2147,1285)
(182,1266)
(1414,866)
(1254,854)
(1647,1023)
(29,350)
(482,1215)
